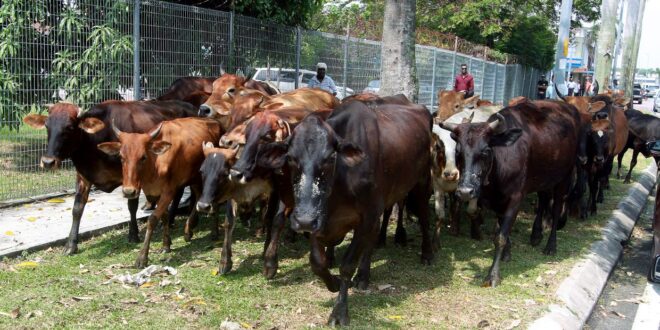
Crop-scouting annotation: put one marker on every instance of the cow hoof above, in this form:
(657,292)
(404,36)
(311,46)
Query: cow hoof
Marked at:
(339,316)
(166,249)
(400,237)
(427,258)
(71,249)
(214,237)
(133,238)
(225,268)
(626,181)
(148,206)
(188,237)
(141,262)
(476,235)
(550,250)
(453,231)
(535,240)
(491,281)
(270,272)
(381,244)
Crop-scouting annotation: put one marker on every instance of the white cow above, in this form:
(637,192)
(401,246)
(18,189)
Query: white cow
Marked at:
(445,174)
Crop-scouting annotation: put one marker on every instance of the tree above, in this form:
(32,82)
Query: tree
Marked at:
(398,49)
(605,46)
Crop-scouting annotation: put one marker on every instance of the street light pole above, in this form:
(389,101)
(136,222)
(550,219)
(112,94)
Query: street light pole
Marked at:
(562,46)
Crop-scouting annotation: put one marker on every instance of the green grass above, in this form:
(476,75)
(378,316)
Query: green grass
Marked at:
(20,175)
(445,295)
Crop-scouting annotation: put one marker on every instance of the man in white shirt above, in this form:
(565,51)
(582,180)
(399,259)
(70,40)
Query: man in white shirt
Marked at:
(571,87)
(322,81)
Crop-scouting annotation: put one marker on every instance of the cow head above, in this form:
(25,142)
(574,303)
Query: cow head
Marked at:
(474,151)
(264,127)
(246,103)
(451,102)
(136,150)
(443,155)
(599,140)
(313,155)
(65,129)
(220,101)
(214,171)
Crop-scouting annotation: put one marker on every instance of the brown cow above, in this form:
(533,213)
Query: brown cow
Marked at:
(451,103)
(160,163)
(248,101)
(74,134)
(224,90)
(194,90)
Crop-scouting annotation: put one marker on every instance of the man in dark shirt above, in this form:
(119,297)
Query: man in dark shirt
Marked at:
(464,82)
(542,86)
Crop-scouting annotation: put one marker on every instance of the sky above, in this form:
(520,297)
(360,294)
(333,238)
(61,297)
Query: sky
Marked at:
(649,48)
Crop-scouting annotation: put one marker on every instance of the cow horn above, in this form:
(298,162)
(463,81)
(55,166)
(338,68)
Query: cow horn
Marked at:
(469,119)
(155,132)
(115,129)
(222,71)
(449,126)
(497,124)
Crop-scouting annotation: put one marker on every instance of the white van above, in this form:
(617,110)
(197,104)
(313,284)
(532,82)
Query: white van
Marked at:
(284,79)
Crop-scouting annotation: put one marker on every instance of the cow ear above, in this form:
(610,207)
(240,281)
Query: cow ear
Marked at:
(471,101)
(622,101)
(597,106)
(110,148)
(351,154)
(273,106)
(273,155)
(35,121)
(160,147)
(505,139)
(91,125)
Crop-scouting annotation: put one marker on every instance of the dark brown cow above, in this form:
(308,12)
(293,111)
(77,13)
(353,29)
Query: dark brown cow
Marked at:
(642,128)
(194,90)
(224,90)
(74,134)
(346,171)
(160,163)
(525,148)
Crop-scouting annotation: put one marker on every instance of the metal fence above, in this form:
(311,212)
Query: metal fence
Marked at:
(87,51)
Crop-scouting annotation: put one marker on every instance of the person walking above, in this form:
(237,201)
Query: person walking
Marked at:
(571,86)
(541,87)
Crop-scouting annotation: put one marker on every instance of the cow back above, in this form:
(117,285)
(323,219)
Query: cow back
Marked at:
(643,126)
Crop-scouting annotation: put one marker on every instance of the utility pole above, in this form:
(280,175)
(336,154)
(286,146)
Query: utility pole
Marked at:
(628,44)
(619,42)
(606,35)
(562,45)
(638,38)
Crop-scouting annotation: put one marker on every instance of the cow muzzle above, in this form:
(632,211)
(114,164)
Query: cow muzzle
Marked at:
(466,193)
(450,176)
(599,160)
(204,110)
(130,192)
(204,207)
(304,223)
(49,162)
(236,175)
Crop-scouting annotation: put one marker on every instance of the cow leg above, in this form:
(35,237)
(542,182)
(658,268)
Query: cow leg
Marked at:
(400,235)
(537,228)
(319,263)
(263,212)
(593,191)
(633,163)
(161,208)
(330,255)
(655,252)
(559,196)
(225,256)
(270,254)
(132,225)
(382,235)
(502,240)
(619,158)
(362,244)
(82,193)
(440,216)
(171,213)
(417,203)
(454,221)
(476,218)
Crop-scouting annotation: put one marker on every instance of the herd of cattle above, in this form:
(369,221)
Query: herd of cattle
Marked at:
(331,167)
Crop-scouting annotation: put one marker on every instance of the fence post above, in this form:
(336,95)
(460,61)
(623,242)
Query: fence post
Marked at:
(346,43)
(523,86)
(137,92)
(453,62)
(495,83)
(433,80)
(483,72)
(514,88)
(298,41)
(230,66)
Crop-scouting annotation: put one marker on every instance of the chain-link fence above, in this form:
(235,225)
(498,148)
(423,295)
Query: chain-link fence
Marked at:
(85,51)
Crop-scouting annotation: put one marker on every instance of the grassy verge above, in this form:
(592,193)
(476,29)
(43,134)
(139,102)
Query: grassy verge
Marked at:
(59,291)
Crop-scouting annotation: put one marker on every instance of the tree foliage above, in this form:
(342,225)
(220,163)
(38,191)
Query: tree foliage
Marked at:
(289,12)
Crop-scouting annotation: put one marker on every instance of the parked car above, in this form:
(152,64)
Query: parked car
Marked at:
(372,87)
(652,90)
(656,103)
(285,79)
(637,94)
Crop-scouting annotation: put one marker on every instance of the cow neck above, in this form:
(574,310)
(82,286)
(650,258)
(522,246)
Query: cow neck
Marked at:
(95,166)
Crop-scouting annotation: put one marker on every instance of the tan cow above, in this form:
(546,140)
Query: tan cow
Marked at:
(451,103)
(161,162)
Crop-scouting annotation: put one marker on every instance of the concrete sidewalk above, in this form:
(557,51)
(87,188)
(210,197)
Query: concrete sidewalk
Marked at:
(41,224)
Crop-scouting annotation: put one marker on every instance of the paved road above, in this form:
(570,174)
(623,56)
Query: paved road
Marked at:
(646,105)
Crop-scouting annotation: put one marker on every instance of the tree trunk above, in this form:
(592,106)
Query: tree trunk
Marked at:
(638,37)
(398,51)
(628,45)
(606,37)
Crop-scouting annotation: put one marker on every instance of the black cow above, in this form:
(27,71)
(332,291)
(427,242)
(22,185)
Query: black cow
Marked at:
(346,171)
(75,134)
(528,147)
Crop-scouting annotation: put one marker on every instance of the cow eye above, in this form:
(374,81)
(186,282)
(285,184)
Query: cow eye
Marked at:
(143,158)
(231,90)
(485,152)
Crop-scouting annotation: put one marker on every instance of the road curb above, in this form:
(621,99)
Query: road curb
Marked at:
(579,292)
